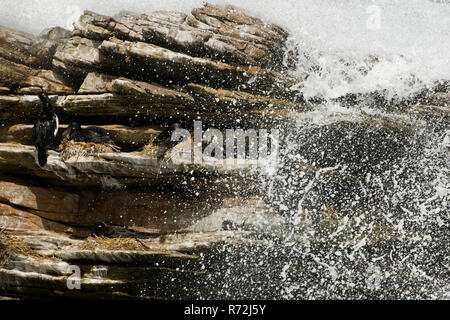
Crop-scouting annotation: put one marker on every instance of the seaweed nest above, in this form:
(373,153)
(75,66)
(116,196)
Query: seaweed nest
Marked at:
(150,149)
(129,244)
(11,245)
(71,149)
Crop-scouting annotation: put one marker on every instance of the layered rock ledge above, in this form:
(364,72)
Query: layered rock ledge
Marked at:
(133,75)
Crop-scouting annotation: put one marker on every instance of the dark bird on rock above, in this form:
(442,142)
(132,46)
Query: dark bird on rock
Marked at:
(102,229)
(90,134)
(45,129)
(164,140)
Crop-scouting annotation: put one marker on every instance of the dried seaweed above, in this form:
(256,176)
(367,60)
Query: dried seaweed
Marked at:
(131,244)
(11,245)
(150,149)
(70,149)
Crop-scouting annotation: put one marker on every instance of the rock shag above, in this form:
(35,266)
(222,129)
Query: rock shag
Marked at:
(86,142)
(102,229)
(164,141)
(97,135)
(45,129)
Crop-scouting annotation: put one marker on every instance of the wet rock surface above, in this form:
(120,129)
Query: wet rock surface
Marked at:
(350,182)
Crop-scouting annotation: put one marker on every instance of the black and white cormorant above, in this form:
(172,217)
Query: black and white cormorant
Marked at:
(45,129)
(164,140)
(90,134)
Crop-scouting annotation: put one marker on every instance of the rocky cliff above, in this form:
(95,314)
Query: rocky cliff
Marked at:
(190,224)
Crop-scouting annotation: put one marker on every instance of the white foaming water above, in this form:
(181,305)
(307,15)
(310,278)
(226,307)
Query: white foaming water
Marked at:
(411,37)
(410,40)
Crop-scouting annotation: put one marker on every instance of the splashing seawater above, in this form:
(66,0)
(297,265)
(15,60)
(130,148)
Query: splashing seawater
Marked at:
(364,187)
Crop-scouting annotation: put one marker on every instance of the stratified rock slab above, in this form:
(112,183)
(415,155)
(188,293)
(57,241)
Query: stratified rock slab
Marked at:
(148,58)
(150,93)
(26,49)
(125,137)
(143,101)
(55,34)
(24,222)
(142,92)
(77,57)
(239,38)
(232,99)
(112,170)
(21,76)
(38,198)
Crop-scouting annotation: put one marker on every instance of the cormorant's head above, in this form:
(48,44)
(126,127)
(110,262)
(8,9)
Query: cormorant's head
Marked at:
(99,228)
(44,98)
(72,128)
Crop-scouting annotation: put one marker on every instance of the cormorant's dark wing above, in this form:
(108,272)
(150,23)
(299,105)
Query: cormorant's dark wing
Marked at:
(98,135)
(161,151)
(44,131)
(36,139)
(164,142)
(98,130)
(163,137)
